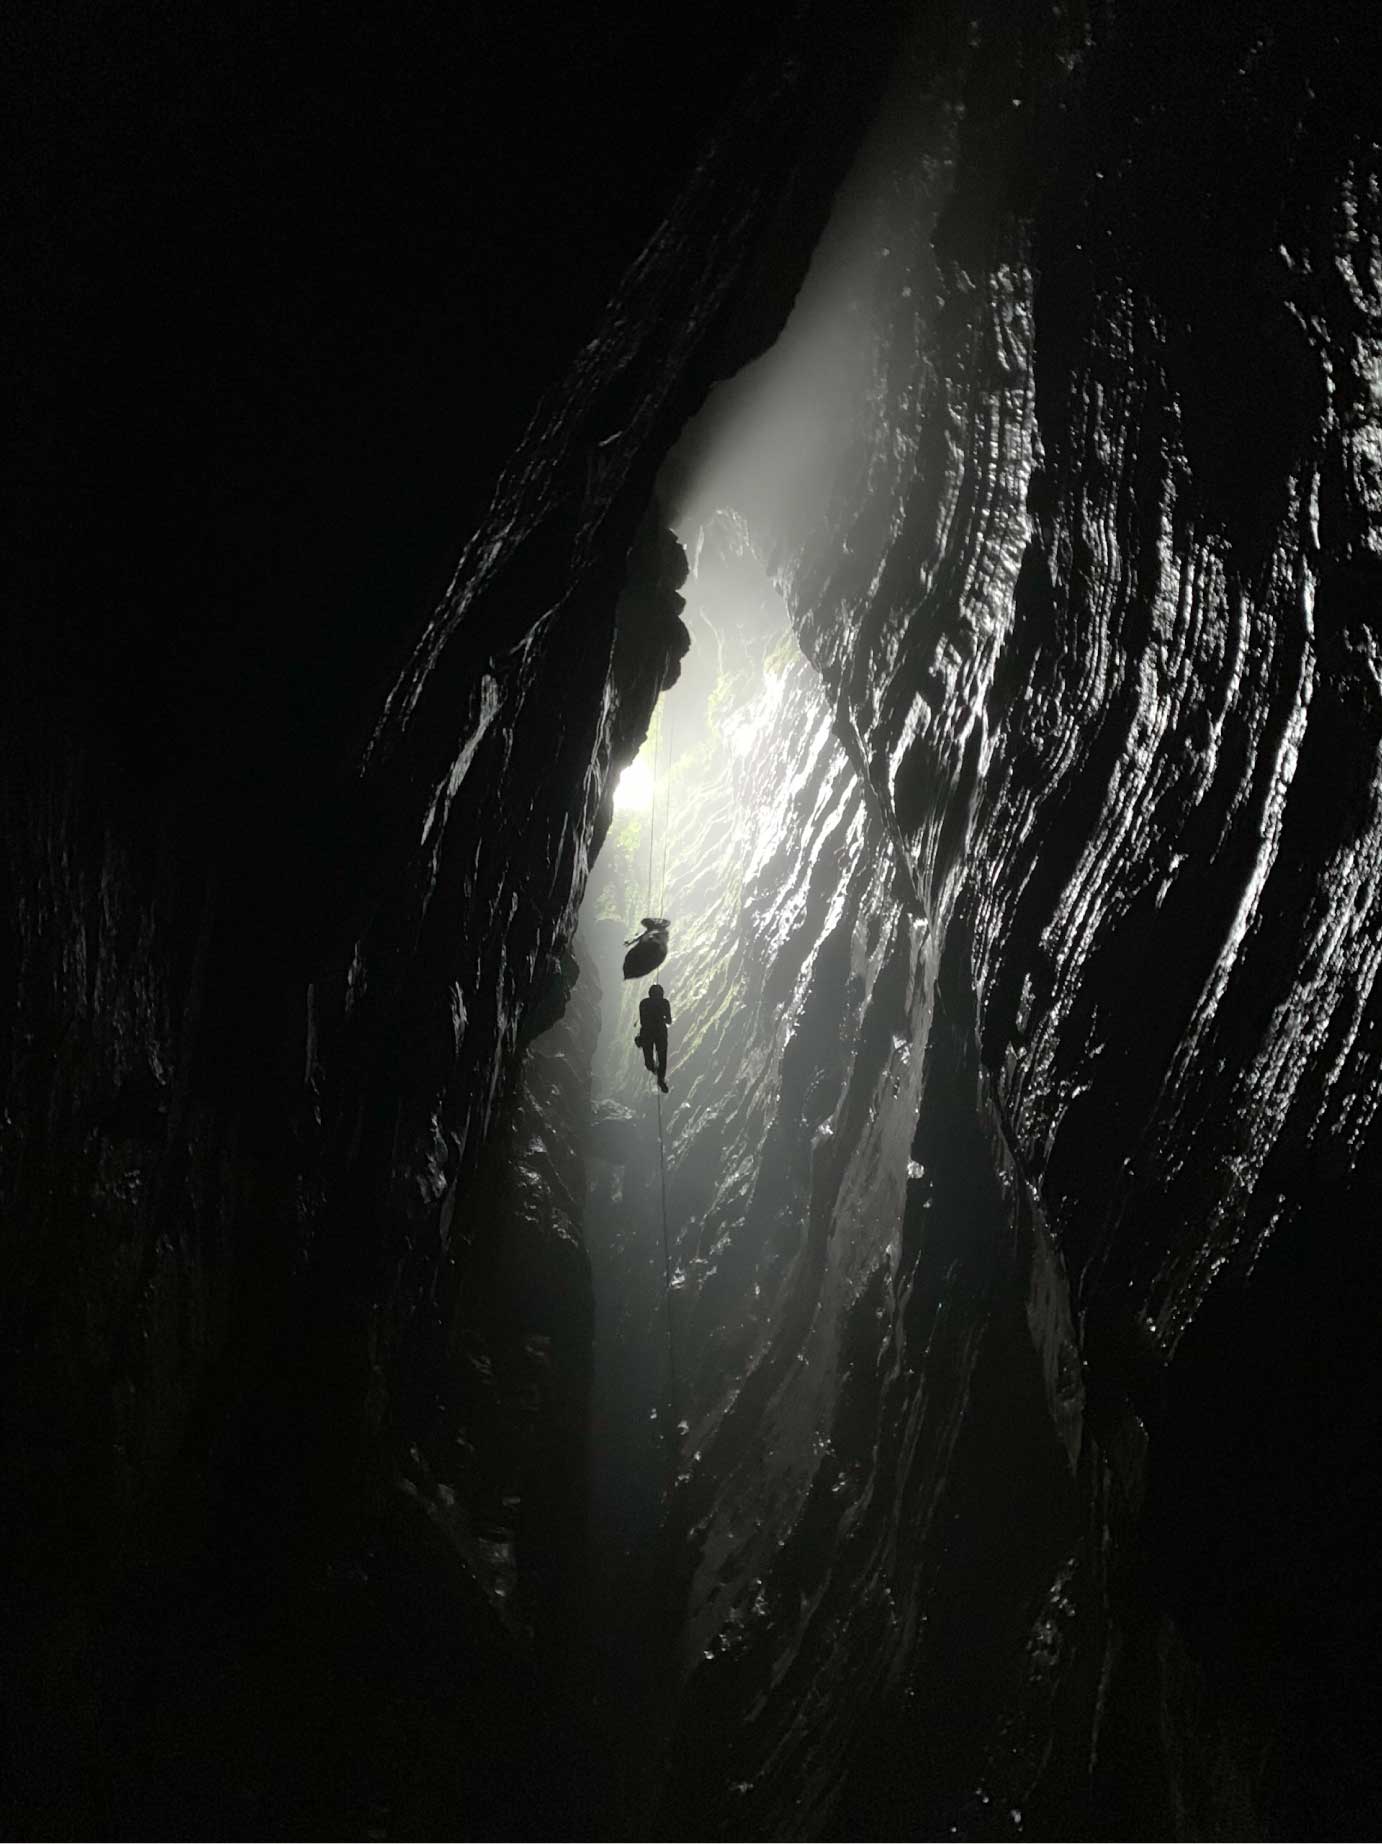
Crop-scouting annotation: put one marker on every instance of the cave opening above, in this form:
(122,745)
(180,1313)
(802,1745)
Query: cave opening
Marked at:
(792,1002)
(697,826)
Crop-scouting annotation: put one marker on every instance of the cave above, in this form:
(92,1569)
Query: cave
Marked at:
(896,490)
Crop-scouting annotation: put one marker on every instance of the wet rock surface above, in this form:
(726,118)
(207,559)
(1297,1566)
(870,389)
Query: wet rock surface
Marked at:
(1030,1496)
(992,1448)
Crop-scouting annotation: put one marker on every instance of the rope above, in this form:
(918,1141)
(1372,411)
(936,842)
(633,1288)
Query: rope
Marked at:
(652,823)
(661,1148)
(667,1286)
(663,741)
(666,816)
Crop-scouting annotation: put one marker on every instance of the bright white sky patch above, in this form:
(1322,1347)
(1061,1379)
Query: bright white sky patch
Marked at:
(633,792)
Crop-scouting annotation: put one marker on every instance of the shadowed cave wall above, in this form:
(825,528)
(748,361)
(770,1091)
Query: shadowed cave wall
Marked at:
(351,352)
(1029,1501)
(1017,1467)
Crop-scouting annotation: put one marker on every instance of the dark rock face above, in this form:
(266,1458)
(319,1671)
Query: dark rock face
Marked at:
(299,811)
(1031,1492)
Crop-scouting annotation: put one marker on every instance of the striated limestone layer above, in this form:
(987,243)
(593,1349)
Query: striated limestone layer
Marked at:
(1032,1441)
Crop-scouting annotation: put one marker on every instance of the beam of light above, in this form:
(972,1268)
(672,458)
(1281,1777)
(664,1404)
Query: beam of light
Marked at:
(633,792)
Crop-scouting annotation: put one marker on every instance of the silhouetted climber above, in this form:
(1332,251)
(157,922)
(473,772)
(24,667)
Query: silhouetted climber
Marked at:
(654,1016)
(647,950)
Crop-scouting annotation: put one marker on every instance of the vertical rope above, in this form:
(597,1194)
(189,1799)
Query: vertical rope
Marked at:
(672,1392)
(666,817)
(667,1286)
(652,826)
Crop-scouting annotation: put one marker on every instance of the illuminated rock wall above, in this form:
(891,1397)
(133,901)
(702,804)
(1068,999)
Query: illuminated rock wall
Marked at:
(1024,1488)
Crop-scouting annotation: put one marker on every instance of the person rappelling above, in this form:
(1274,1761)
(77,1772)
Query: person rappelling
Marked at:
(648,949)
(654,1016)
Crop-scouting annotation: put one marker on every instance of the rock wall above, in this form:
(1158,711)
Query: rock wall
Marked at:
(1024,1142)
(298,814)
(1025,1486)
